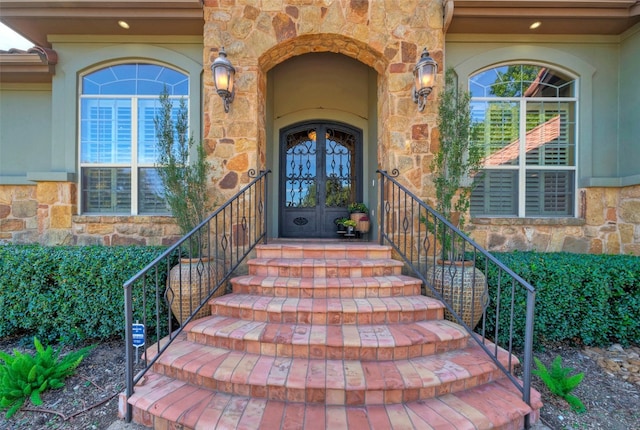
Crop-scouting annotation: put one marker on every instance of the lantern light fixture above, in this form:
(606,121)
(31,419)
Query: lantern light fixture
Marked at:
(424,75)
(223,76)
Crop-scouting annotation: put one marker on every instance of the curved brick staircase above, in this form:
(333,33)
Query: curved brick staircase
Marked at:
(322,336)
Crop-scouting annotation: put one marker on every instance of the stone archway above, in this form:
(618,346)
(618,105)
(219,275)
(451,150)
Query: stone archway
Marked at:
(386,36)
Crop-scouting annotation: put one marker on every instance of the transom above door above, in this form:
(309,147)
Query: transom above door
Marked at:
(320,174)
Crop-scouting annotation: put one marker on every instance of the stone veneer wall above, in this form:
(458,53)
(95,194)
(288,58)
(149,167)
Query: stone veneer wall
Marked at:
(610,224)
(45,214)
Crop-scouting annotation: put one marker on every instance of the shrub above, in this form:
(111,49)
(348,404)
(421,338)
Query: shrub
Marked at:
(70,294)
(582,298)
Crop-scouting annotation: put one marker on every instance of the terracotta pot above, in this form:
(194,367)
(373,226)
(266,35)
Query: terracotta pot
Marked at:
(190,282)
(362,226)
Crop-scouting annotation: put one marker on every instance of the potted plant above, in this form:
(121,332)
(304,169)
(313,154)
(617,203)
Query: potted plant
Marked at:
(350,225)
(185,188)
(363,224)
(358,207)
(339,222)
(453,167)
(359,212)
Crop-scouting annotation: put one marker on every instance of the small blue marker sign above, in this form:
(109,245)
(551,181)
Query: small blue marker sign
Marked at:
(138,335)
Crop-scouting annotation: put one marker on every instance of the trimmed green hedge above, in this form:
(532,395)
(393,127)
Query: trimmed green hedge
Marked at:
(580,298)
(69,294)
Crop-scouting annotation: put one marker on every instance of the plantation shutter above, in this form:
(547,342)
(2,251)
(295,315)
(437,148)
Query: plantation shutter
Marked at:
(495,193)
(106,189)
(147,112)
(106,131)
(549,193)
(123,134)
(549,134)
(151,198)
(500,131)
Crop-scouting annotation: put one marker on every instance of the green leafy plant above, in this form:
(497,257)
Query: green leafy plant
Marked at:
(358,207)
(27,376)
(184,178)
(559,382)
(349,223)
(340,221)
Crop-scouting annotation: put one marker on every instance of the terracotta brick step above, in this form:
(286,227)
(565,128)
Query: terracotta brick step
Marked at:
(380,286)
(161,401)
(359,251)
(323,268)
(350,342)
(334,382)
(382,310)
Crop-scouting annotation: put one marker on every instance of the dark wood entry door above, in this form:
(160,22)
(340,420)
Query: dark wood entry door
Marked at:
(320,174)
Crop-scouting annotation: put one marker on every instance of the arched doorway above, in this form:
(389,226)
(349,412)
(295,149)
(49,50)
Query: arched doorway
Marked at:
(320,174)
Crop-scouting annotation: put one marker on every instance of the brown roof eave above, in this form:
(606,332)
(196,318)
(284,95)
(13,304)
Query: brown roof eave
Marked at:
(36,20)
(606,17)
(35,65)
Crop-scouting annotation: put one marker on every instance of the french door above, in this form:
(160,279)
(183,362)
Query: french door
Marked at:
(320,174)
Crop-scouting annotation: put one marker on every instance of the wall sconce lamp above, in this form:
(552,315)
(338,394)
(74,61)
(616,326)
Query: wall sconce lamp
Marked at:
(223,75)
(424,75)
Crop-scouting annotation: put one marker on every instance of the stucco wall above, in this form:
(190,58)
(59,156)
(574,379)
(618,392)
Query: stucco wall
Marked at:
(25,131)
(630,105)
(38,135)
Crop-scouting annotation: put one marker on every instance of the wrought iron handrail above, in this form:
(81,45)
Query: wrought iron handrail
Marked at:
(217,246)
(425,240)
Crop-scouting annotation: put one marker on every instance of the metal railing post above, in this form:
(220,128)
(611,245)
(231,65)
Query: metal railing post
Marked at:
(265,208)
(528,354)
(128,348)
(381,210)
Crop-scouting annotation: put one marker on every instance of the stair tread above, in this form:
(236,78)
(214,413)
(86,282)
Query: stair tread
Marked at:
(497,404)
(313,282)
(353,250)
(364,304)
(323,262)
(343,287)
(365,335)
(445,372)
(367,310)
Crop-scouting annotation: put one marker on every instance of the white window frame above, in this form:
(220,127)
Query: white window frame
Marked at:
(134,165)
(522,168)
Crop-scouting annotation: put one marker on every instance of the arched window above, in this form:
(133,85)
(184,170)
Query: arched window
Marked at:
(118,105)
(524,118)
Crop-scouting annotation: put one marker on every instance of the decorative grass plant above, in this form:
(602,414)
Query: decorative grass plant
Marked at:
(559,382)
(24,376)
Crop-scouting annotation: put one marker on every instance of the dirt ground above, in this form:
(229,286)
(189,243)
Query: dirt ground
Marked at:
(90,398)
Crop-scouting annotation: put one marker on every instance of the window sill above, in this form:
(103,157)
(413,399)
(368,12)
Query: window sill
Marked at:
(117,219)
(566,221)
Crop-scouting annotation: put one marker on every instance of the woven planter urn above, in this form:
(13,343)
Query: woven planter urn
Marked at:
(189,283)
(463,287)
